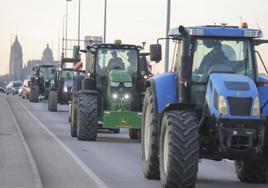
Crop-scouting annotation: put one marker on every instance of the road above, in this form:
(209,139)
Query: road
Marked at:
(113,161)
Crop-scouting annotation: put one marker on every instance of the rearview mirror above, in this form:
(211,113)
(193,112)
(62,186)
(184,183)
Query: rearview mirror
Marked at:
(156,52)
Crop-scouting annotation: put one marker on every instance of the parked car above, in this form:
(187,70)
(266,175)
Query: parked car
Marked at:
(26,89)
(13,87)
(2,90)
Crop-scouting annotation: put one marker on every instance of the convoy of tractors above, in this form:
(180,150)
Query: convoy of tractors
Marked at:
(213,104)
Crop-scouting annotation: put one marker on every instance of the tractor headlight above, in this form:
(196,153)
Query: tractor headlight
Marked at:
(223,106)
(65,89)
(115,96)
(128,84)
(126,96)
(115,84)
(256,107)
(52,82)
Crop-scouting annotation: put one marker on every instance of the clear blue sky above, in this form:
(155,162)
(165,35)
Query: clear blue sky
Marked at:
(38,22)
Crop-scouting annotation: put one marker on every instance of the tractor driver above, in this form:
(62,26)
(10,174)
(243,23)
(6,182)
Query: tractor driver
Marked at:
(215,57)
(68,76)
(115,63)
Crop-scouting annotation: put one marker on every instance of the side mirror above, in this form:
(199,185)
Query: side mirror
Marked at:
(156,52)
(33,69)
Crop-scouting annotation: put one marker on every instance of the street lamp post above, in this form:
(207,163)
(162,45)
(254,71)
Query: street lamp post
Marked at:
(79,10)
(105,19)
(167,41)
(66,27)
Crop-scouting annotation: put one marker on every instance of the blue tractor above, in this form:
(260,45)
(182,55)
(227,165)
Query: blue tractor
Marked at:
(212,105)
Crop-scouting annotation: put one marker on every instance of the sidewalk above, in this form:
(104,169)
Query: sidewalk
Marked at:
(16,165)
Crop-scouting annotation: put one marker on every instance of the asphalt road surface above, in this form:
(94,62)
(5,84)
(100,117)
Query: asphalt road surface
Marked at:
(113,161)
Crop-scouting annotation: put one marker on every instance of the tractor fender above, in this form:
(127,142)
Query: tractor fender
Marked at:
(263,94)
(88,83)
(164,87)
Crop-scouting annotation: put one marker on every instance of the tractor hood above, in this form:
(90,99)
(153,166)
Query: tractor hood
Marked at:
(119,76)
(232,96)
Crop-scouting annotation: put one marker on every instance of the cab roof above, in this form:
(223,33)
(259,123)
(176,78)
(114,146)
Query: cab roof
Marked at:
(116,46)
(218,31)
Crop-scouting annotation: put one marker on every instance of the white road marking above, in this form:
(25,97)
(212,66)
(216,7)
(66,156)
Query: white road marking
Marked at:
(37,179)
(89,172)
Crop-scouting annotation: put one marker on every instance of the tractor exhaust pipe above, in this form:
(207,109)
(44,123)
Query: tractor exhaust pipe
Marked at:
(186,68)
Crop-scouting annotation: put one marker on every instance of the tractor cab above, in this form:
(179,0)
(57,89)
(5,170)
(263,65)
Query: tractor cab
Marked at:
(111,60)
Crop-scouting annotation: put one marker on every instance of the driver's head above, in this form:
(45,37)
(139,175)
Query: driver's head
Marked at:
(212,43)
(114,54)
(68,74)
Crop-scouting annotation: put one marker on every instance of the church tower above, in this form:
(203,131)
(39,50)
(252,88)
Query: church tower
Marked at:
(15,62)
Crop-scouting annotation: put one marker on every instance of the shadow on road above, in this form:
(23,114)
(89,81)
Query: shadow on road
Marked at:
(219,183)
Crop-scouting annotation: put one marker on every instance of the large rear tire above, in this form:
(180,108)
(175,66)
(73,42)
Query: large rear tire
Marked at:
(252,171)
(53,101)
(87,117)
(34,93)
(179,150)
(149,136)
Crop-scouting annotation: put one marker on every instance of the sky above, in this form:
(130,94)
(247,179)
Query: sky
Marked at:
(40,22)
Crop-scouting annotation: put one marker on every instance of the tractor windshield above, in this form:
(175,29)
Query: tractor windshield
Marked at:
(221,55)
(68,74)
(47,72)
(120,59)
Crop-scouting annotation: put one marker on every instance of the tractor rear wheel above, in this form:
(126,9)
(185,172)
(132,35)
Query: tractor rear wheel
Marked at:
(179,149)
(34,93)
(134,134)
(87,117)
(149,136)
(53,101)
(252,171)
(116,131)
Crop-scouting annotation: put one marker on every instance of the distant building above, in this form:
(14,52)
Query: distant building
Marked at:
(16,62)
(46,59)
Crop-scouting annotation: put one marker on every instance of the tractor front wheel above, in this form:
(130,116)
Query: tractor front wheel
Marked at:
(34,93)
(87,117)
(73,114)
(149,136)
(179,149)
(52,101)
(252,171)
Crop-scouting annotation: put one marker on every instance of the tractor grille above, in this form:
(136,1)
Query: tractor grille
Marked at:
(240,106)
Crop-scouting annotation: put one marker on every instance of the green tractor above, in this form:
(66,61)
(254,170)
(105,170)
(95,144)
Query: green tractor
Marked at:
(110,95)
(40,81)
(61,88)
